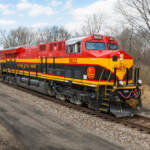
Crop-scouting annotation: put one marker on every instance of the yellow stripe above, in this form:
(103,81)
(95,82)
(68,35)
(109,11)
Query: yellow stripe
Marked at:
(63,79)
(75,81)
(2,61)
(104,62)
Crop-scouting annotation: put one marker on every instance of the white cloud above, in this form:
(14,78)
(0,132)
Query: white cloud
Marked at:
(67,4)
(7,22)
(21,15)
(40,24)
(23,5)
(104,7)
(6,9)
(8,12)
(34,9)
(55,3)
(74,26)
(37,10)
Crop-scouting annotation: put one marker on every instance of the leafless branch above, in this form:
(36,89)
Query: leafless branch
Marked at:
(93,24)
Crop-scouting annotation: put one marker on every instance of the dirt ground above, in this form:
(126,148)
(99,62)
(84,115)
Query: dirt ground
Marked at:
(24,126)
(8,141)
(40,131)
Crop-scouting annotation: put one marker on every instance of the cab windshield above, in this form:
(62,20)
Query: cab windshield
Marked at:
(112,46)
(95,46)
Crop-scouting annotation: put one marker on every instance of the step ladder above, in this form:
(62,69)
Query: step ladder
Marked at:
(105,102)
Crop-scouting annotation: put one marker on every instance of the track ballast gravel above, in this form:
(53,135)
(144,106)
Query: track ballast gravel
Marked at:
(113,132)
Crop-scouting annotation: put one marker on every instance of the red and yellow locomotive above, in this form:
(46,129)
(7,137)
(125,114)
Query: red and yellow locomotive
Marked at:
(88,70)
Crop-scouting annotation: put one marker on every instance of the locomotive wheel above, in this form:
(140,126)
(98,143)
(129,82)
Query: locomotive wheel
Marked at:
(75,100)
(78,101)
(50,92)
(3,78)
(60,97)
(10,81)
(90,105)
(6,79)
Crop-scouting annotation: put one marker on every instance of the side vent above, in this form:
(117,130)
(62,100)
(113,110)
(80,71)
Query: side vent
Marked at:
(59,46)
(55,46)
(51,47)
(42,47)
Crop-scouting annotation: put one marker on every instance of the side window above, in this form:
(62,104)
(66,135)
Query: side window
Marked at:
(67,49)
(75,48)
(79,47)
(72,48)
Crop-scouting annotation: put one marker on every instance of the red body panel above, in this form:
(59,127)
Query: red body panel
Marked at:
(58,49)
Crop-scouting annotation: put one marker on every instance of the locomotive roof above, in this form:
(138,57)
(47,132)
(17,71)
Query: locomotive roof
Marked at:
(68,42)
(16,47)
(75,40)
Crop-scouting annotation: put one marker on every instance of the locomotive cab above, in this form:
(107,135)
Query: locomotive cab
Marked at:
(101,43)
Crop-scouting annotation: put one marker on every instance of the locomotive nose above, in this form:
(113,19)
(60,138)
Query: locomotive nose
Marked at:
(120,61)
(119,56)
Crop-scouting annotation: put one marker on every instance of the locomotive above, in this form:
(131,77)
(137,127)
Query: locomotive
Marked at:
(87,70)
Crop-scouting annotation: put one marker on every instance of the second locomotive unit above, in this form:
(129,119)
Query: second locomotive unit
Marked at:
(88,70)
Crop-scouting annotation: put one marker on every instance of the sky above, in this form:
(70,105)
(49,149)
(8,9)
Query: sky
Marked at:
(68,13)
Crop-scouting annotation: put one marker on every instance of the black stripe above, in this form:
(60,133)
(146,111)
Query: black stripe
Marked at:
(70,71)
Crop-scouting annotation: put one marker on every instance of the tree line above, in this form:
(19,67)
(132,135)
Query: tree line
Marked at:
(27,36)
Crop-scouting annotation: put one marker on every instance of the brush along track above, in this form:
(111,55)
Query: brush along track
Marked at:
(139,123)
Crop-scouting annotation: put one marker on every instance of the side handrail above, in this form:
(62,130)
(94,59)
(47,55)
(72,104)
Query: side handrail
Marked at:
(115,71)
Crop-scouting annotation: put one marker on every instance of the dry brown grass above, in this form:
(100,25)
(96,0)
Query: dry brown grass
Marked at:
(145,73)
(146,97)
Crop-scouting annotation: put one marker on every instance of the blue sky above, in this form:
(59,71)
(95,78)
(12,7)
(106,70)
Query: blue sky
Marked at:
(38,13)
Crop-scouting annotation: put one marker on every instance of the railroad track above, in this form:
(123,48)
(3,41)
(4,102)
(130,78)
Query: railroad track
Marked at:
(138,122)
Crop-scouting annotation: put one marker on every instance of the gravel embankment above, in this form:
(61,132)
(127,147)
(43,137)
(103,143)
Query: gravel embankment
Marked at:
(128,138)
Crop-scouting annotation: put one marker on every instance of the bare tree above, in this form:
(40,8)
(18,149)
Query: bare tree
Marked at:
(93,24)
(17,37)
(23,36)
(137,13)
(64,34)
(59,33)
(133,43)
(125,38)
(54,33)
(3,38)
(43,35)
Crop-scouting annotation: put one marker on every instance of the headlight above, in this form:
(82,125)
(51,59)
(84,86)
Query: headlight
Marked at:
(120,82)
(140,82)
